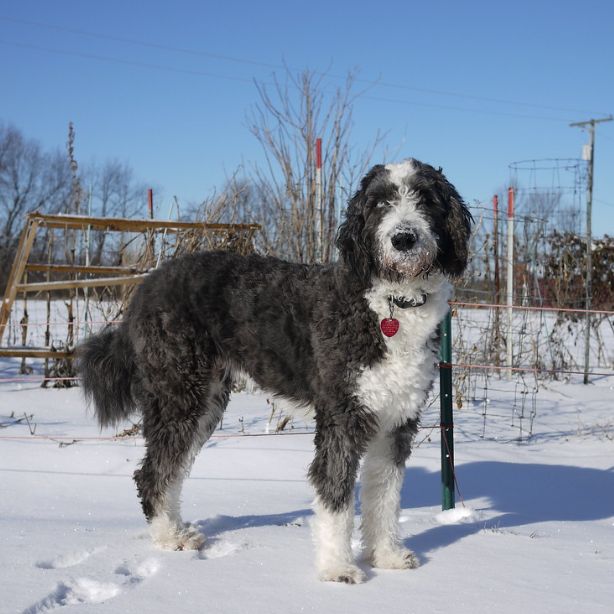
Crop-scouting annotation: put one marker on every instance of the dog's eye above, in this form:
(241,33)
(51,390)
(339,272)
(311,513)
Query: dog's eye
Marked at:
(382,204)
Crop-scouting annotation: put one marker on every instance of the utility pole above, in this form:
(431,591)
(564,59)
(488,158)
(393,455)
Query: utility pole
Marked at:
(590,125)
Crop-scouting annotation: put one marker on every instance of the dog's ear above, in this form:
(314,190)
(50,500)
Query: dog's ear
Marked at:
(454,240)
(353,243)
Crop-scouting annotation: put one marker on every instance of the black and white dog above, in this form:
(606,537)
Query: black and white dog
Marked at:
(355,340)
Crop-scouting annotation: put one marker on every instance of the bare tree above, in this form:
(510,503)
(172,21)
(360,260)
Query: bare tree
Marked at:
(288,118)
(30,180)
(114,193)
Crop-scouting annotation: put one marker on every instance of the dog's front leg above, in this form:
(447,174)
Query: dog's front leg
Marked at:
(340,442)
(381,481)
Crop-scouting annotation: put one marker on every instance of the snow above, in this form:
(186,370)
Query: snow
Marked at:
(456,515)
(533,531)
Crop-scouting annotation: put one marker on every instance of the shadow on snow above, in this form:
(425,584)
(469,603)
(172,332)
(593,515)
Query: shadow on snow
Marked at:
(521,493)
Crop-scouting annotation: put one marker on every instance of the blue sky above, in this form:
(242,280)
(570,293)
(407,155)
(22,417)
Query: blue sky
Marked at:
(470,86)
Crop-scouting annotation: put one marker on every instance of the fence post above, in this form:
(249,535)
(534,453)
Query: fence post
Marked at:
(497,297)
(446,416)
(319,251)
(150,256)
(510,279)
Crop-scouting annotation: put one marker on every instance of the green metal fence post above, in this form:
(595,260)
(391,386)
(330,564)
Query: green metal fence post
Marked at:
(447,418)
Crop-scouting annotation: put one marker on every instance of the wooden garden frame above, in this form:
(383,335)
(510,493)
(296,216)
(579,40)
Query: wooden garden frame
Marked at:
(106,276)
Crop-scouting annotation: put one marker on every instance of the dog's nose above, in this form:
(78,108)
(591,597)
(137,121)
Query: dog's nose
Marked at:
(403,241)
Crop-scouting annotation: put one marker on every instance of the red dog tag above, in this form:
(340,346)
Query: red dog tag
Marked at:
(389,326)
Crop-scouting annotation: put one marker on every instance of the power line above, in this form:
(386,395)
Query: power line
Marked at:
(102,58)
(201,73)
(131,41)
(463,109)
(239,60)
(470,96)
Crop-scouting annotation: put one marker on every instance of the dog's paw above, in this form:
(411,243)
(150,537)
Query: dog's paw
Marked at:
(169,536)
(348,574)
(190,538)
(397,558)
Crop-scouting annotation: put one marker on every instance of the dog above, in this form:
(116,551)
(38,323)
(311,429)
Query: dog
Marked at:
(355,340)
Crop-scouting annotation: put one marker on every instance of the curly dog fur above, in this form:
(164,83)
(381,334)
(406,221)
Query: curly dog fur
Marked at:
(310,333)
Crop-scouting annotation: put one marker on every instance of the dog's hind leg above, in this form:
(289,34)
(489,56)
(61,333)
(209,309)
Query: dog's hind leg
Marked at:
(340,441)
(381,480)
(173,440)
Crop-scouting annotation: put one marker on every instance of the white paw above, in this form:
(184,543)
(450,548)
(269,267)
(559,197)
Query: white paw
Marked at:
(347,573)
(394,558)
(190,538)
(177,537)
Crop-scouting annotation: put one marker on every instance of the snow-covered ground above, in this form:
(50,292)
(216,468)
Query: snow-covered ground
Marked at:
(535,532)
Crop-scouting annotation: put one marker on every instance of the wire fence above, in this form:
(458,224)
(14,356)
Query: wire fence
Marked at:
(504,355)
(491,398)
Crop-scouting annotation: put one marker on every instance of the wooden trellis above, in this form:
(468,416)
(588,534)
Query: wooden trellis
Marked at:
(88,276)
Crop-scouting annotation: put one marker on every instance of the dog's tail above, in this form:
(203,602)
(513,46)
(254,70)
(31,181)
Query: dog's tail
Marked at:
(107,367)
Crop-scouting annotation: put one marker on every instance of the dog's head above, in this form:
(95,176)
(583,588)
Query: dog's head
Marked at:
(405,221)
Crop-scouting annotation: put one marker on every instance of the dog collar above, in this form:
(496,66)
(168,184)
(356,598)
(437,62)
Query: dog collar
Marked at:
(390,326)
(404,303)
